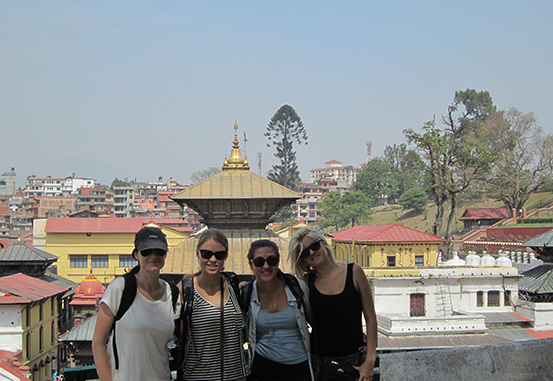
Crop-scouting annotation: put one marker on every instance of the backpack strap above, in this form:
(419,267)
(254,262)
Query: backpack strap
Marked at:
(246,295)
(235,284)
(294,286)
(127,298)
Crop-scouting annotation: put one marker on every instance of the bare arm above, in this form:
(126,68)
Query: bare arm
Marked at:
(100,340)
(362,284)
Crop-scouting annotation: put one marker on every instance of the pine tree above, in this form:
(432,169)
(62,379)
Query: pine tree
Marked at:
(285,129)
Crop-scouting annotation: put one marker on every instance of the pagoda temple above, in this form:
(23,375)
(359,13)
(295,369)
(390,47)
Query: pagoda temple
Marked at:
(237,202)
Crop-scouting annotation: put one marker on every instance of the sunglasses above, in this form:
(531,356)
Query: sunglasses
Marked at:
(219,255)
(315,245)
(158,252)
(260,261)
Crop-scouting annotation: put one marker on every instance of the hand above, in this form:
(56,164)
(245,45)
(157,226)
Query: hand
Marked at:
(366,370)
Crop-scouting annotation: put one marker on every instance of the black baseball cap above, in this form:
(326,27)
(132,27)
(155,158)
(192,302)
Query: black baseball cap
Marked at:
(150,238)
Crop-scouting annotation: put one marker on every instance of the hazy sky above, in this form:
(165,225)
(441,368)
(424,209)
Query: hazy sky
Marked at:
(142,89)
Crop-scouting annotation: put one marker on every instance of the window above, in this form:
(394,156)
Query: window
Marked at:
(493,299)
(391,261)
(78,261)
(52,331)
(479,298)
(41,312)
(126,261)
(28,344)
(507,298)
(100,261)
(41,339)
(419,260)
(417,305)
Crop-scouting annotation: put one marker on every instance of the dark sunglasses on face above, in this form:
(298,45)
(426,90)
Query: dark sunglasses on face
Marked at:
(159,252)
(219,255)
(315,245)
(260,261)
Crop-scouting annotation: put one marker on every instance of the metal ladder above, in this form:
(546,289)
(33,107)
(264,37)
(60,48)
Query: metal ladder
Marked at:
(444,307)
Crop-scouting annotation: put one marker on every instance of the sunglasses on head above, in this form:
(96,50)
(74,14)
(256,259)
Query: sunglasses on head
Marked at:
(260,261)
(315,245)
(159,252)
(219,255)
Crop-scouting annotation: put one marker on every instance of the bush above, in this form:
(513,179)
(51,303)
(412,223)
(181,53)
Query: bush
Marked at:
(414,198)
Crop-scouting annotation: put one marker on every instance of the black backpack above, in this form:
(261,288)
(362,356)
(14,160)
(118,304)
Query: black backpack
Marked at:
(290,280)
(127,298)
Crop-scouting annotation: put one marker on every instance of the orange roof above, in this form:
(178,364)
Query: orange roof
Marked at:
(384,233)
(94,225)
(485,214)
(23,289)
(88,291)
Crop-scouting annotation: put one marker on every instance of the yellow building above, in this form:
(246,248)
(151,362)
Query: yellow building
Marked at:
(28,326)
(387,246)
(100,245)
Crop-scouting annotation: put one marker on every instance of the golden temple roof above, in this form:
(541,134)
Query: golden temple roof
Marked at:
(236,181)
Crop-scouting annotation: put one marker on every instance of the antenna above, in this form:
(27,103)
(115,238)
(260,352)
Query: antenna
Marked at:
(245,141)
(369,150)
(259,160)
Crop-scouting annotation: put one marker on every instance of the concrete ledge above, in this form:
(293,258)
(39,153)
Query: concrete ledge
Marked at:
(516,361)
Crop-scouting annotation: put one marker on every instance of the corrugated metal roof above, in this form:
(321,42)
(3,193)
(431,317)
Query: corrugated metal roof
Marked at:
(384,233)
(81,332)
(94,225)
(236,185)
(538,280)
(22,289)
(542,240)
(21,252)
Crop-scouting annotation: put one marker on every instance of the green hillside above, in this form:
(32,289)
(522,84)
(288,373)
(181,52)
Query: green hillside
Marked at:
(423,220)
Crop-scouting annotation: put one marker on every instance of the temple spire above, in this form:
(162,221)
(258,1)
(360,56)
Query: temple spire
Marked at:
(235,160)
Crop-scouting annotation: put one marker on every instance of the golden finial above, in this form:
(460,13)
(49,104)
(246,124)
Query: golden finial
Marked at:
(235,160)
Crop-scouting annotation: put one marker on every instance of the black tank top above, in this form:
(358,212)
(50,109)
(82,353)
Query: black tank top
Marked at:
(338,326)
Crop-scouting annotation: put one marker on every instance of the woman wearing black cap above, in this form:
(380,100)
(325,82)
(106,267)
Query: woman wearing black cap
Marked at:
(148,324)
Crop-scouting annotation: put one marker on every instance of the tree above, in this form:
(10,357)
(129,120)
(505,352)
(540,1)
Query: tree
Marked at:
(118,183)
(391,175)
(203,174)
(456,156)
(347,210)
(414,198)
(285,129)
(524,162)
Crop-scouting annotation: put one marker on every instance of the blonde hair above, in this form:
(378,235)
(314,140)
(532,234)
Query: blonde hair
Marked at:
(301,269)
(214,234)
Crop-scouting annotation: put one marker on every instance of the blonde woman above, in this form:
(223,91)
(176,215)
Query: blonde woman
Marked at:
(340,294)
(213,350)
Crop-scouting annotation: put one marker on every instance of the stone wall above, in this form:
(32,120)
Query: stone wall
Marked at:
(523,360)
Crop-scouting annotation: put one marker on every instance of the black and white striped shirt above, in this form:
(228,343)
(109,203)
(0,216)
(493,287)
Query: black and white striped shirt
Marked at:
(203,349)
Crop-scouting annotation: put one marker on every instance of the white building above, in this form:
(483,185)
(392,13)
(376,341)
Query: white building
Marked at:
(441,299)
(335,170)
(56,186)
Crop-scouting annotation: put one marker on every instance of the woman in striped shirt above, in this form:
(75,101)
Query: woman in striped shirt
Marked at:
(213,350)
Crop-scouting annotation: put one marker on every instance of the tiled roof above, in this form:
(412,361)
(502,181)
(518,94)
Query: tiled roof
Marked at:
(23,289)
(22,252)
(81,332)
(236,185)
(333,161)
(384,233)
(485,214)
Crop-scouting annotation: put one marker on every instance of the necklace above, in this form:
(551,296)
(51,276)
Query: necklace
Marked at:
(274,303)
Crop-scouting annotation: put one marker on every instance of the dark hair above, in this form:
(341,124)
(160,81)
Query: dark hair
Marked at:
(262,243)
